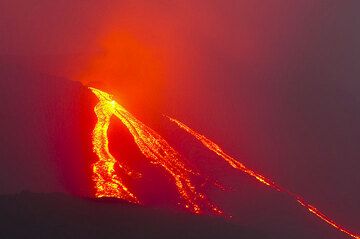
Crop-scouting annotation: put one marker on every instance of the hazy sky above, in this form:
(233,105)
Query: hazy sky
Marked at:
(275,82)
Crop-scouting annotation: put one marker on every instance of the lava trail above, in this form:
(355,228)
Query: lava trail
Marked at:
(107,183)
(239,166)
(152,146)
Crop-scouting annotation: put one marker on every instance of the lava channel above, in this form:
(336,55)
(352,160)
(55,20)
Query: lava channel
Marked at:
(152,146)
(239,166)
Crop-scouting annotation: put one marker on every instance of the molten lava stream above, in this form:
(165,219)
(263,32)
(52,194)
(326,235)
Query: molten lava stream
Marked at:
(152,146)
(107,183)
(239,166)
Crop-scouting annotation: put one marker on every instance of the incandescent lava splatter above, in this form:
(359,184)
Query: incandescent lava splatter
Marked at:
(239,166)
(153,147)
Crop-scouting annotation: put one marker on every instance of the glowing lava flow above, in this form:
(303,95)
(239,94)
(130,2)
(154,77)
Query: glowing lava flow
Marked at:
(152,145)
(239,166)
(107,183)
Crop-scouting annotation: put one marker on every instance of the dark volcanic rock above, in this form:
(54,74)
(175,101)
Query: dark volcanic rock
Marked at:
(29,215)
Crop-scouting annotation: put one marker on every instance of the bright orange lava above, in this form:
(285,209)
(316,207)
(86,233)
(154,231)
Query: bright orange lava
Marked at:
(159,152)
(239,166)
(107,183)
(154,148)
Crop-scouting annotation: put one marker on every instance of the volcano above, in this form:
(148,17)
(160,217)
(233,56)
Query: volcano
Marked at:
(47,146)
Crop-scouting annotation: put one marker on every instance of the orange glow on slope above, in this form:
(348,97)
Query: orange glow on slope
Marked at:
(239,166)
(154,148)
(128,64)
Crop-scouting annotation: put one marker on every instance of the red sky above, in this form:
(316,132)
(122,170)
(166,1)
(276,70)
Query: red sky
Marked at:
(275,82)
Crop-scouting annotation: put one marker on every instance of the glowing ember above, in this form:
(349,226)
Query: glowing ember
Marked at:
(152,145)
(239,166)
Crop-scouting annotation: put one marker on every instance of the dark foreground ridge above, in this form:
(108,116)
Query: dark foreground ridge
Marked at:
(56,215)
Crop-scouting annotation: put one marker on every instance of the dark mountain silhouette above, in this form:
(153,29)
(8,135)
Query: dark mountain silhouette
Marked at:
(55,215)
(43,132)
